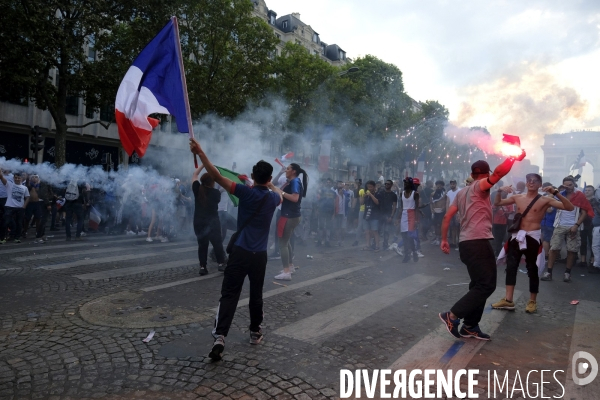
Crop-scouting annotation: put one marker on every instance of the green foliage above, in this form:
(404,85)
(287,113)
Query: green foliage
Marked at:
(301,77)
(38,36)
(227,53)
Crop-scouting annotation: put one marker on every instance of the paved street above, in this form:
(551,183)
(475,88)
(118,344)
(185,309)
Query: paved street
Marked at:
(74,315)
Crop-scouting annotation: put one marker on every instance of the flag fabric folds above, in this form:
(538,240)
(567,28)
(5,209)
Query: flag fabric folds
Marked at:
(235,177)
(155,83)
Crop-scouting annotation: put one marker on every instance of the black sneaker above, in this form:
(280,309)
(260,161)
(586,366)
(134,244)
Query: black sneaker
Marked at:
(216,353)
(451,324)
(256,337)
(221,267)
(203,270)
(415,256)
(593,270)
(474,332)
(405,260)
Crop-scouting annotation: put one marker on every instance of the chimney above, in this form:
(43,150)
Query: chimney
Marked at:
(296,14)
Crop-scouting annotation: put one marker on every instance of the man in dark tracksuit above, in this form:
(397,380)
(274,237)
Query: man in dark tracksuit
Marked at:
(249,254)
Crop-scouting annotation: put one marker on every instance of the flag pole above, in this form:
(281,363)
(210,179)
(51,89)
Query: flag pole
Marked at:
(183,82)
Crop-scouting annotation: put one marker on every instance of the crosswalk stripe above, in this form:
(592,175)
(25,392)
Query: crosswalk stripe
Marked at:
(21,248)
(437,350)
(586,337)
(322,325)
(115,273)
(92,251)
(99,260)
(244,302)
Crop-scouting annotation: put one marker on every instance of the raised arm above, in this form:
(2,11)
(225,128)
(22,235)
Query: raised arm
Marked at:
(499,201)
(210,168)
(2,178)
(197,173)
(500,171)
(563,204)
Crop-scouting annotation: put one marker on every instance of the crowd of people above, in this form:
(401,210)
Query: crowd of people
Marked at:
(481,217)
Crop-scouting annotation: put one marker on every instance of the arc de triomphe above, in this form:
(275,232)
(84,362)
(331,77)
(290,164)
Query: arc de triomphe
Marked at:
(561,151)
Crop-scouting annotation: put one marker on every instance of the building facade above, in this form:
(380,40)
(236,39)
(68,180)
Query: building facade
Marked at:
(290,28)
(561,151)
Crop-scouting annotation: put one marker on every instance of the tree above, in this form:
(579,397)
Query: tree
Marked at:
(301,77)
(228,55)
(38,37)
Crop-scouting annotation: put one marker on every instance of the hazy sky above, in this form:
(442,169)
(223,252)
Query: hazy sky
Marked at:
(521,67)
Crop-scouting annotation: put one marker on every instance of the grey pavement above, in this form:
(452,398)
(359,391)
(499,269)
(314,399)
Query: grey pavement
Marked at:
(74,314)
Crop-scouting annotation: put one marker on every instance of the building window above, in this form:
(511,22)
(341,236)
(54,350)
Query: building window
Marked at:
(107,113)
(72,105)
(278,36)
(316,52)
(272,19)
(298,41)
(315,38)
(342,55)
(89,112)
(284,24)
(91,54)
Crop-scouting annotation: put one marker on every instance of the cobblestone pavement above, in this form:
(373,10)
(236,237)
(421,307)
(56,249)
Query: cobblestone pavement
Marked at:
(51,349)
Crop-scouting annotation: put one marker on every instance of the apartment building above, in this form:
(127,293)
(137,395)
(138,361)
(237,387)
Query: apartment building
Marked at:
(290,28)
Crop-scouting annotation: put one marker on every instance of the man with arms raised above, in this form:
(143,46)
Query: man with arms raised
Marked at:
(249,255)
(473,204)
(528,240)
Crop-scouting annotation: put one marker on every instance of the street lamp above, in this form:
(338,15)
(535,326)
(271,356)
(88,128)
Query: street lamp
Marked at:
(348,71)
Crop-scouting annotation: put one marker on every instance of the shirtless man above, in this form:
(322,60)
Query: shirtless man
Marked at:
(529,238)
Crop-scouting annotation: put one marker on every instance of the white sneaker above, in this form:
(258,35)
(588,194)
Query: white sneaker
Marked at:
(399,251)
(393,246)
(292,270)
(456,248)
(272,246)
(149,239)
(38,241)
(83,234)
(420,254)
(284,277)
(129,233)
(142,233)
(164,240)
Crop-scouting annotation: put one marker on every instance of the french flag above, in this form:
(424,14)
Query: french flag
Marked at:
(155,83)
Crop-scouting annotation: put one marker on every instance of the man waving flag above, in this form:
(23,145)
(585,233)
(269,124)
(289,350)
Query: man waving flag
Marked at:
(155,83)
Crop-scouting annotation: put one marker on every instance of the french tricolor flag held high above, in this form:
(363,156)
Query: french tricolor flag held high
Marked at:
(155,83)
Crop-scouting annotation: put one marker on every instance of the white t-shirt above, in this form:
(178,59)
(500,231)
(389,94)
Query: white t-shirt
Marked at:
(16,194)
(451,195)
(567,218)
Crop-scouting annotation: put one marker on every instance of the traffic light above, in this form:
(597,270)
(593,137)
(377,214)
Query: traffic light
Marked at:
(37,142)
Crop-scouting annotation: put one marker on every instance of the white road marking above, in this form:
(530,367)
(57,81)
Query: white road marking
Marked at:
(436,350)
(322,325)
